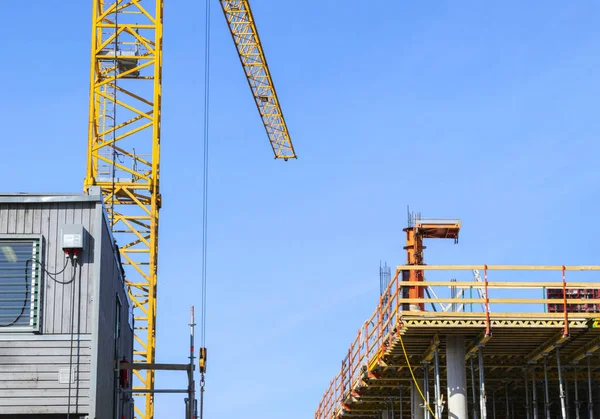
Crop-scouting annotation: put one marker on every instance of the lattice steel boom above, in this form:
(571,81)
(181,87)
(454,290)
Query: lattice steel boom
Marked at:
(124,152)
(245,36)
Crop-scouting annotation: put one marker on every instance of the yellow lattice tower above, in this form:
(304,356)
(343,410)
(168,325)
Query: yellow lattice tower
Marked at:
(124,152)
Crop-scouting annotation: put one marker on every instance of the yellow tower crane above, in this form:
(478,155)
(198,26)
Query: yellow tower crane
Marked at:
(124,136)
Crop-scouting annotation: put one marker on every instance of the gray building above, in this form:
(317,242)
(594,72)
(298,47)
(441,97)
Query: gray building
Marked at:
(65,317)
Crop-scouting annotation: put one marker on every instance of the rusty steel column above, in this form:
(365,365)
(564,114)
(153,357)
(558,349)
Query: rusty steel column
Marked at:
(414,256)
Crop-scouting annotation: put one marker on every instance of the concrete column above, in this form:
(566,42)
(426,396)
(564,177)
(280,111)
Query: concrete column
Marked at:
(416,403)
(457,377)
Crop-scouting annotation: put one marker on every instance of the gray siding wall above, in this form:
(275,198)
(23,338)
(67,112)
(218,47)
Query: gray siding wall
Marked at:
(30,362)
(47,219)
(111,289)
(29,371)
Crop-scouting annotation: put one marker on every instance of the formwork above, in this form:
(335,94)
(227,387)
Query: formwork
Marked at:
(527,354)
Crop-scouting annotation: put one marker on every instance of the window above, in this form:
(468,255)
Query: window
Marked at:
(19,284)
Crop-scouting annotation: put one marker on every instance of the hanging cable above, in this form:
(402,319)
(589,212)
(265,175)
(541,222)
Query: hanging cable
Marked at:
(51,275)
(205,174)
(203,351)
(72,336)
(414,378)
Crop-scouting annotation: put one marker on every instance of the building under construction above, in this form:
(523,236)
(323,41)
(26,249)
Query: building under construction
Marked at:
(473,342)
(444,341)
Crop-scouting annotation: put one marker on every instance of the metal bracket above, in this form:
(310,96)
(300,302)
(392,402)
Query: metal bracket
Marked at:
(586,350)
(545,349)
(429,353)
(480,340)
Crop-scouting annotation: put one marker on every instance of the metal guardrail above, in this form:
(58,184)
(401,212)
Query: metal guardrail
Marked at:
(370,343)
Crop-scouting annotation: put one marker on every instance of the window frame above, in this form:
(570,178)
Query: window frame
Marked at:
(36,277)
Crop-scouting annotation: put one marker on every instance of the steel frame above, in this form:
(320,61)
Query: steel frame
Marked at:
(247,42)
(509,340)
(123,156)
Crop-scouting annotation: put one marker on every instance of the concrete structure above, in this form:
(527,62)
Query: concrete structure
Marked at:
(523,361)
(456,377)
(64,320)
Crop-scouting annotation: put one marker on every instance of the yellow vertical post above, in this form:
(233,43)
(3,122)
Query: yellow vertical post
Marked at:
(123,156)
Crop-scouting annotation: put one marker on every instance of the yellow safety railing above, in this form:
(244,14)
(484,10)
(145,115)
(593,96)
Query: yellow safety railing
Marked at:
(377,332)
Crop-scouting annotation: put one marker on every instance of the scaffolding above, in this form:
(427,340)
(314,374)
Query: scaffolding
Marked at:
(508,343)
(531,345)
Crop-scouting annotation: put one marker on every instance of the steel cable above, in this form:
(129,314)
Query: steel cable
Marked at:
(205,194)
(205,173)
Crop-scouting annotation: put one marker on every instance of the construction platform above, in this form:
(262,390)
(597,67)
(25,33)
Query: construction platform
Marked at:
(523,357)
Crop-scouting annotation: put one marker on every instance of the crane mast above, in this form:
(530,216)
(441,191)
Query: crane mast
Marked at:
(123,156)
(247,42)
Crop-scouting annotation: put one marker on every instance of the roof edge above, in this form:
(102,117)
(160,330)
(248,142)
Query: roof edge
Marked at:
(40,198)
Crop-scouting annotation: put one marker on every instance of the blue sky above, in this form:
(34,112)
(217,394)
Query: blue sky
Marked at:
(487,112)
